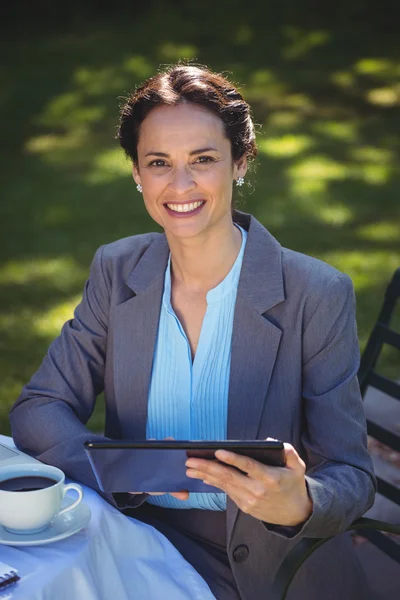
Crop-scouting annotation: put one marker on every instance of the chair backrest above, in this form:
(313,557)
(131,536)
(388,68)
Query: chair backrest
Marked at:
(382,334)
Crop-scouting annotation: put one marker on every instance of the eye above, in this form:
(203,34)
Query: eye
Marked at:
(205,159)
(159,162)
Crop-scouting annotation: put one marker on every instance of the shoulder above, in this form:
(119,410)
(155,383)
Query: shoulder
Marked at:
(310,272)
(298,279)
(308,281)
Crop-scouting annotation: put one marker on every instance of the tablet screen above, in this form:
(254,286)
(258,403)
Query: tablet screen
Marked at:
(160,466)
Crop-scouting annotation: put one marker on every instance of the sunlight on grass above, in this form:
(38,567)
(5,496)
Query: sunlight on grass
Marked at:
(139,66)
(173,52)
(364,267)
(313,173)
(377,67)
(25,335)
(94,82)
(264,86)
(51,322)
(263,77)
(301,42)
(285,119)
(346,131)
(109,165)
(381,232)
(70,110)
(299,101)
(51,142)
(373,154)
(75,147)
(45,324)
(334,214)
(385,96)
(78,110)
(374,174)
(285,146)
(343,79)
(61,271)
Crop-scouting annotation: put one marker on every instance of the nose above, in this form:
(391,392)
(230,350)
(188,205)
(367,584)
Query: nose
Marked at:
(182,181)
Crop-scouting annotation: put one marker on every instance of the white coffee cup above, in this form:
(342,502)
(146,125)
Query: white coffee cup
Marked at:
(32,511)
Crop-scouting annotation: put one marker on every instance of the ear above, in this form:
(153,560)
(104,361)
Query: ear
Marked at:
(135,174)
(240,167)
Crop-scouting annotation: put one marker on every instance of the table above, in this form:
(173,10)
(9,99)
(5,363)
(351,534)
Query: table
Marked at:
(115,557)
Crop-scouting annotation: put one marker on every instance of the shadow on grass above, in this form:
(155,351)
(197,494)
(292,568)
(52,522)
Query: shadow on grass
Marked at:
(325,97)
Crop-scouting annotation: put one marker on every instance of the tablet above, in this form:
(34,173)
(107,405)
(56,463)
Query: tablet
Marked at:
(159,466)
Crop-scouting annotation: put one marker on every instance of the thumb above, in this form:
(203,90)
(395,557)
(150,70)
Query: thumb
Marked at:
(293,460)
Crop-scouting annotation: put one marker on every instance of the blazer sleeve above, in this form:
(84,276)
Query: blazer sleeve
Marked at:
(48,419)
(339,477)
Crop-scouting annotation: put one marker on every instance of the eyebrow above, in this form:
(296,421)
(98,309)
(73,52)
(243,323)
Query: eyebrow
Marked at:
(199,151)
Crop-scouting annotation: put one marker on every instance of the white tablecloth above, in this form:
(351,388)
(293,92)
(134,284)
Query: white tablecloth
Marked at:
(114,558)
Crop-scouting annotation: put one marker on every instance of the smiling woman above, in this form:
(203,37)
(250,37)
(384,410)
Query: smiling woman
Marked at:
(192,176)
(214,331)
(189,134)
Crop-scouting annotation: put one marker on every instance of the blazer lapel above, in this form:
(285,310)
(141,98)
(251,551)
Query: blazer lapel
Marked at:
(255,338)
(135,327)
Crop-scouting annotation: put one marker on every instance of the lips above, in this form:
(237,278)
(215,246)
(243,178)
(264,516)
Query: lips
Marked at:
(187,207)
(184,208)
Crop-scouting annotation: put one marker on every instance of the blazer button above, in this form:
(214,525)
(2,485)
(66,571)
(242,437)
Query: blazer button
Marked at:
(240,553)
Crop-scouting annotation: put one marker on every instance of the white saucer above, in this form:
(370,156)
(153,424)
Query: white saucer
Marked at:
(62,527)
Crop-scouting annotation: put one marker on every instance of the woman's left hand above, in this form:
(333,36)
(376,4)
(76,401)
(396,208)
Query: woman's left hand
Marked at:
(276,495)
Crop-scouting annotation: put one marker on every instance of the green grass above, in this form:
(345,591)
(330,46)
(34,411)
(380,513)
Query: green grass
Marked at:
(326,100)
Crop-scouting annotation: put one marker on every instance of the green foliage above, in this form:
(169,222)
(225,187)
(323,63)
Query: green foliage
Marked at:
(326,100)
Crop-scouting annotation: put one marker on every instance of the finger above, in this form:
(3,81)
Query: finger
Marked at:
(251,467)
(293,460)
(184,495)
(258,476)
(241,496)
(224,478)
(203,469)
(247,492)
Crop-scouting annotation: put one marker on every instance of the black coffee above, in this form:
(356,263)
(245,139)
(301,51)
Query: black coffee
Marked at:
(26,483)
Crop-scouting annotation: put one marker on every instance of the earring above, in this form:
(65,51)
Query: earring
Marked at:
(139,188)
(240,181)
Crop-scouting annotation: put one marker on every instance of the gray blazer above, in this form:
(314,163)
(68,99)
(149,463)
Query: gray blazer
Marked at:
(293,377)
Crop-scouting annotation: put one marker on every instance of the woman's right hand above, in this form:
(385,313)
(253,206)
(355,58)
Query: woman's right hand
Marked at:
(183,495)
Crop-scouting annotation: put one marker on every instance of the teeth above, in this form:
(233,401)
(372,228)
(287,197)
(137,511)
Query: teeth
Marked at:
(185,207)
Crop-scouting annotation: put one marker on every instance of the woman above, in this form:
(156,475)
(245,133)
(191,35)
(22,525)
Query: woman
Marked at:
(214,331)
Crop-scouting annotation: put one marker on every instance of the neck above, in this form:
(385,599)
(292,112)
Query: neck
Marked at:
(201,263)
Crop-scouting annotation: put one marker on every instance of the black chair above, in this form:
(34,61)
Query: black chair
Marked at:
(370,529)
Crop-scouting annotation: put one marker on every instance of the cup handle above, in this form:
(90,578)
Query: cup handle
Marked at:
(77,488)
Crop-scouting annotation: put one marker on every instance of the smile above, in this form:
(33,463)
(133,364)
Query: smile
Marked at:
(185,208)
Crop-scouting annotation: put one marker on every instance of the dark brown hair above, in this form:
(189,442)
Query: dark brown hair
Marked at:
(195,84)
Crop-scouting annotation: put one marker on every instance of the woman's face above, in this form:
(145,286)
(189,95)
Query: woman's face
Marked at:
(186,169)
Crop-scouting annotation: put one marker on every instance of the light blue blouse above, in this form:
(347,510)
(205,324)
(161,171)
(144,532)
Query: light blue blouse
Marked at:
(189,401)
